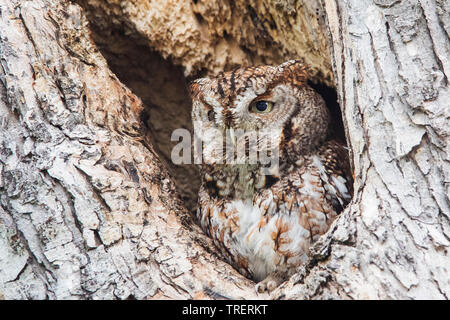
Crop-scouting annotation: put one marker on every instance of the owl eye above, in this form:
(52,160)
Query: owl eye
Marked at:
(211,115)
(261,106)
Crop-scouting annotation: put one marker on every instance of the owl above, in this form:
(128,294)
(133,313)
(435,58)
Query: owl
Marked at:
(264,212)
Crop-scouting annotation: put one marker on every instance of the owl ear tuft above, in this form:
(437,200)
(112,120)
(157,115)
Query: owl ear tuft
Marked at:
(294,71)
(195,87)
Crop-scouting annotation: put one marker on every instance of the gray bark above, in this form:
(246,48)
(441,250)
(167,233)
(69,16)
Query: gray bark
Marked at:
(392,63)
(87,210)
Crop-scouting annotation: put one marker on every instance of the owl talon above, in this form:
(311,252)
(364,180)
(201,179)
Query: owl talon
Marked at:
(269,284)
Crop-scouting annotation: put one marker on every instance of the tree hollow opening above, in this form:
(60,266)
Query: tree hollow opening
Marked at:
(162,87)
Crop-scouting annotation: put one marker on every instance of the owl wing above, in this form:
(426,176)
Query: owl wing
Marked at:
(334,170)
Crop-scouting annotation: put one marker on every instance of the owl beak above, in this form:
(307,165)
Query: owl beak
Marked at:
(233,137)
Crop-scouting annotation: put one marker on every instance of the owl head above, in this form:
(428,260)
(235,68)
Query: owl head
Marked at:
(273,103)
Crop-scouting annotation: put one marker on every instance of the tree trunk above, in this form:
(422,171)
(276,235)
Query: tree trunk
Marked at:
(392,61)
(87,209)
(92,208)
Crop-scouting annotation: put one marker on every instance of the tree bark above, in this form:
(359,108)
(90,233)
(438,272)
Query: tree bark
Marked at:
(392,61)
(89,208)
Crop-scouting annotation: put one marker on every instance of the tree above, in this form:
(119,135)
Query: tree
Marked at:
(90,206)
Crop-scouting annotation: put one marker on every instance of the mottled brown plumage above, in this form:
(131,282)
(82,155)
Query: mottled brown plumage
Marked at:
(265,221)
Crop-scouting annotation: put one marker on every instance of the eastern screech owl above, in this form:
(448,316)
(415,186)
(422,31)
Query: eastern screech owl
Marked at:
(265,222)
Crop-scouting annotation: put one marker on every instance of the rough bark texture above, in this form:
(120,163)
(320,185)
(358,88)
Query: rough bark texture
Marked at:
(218,35)
(392,62)
(88,209)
